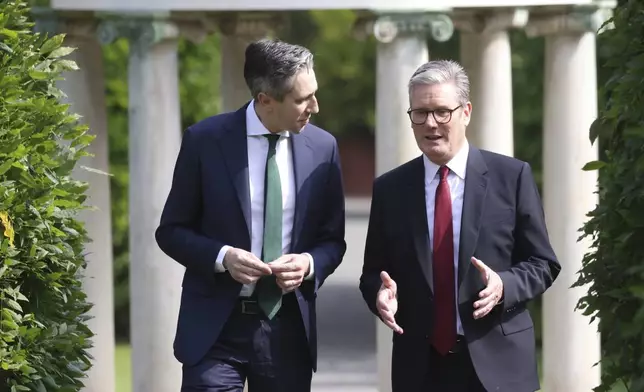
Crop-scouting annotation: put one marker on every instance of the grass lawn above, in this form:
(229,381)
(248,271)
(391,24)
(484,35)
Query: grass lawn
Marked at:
(124,372)
(123,369)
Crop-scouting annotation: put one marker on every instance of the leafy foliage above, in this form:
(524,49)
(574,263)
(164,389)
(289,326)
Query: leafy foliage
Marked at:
(43,335)
(613,270)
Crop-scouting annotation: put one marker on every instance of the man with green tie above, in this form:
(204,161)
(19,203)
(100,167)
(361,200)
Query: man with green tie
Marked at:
(256,215)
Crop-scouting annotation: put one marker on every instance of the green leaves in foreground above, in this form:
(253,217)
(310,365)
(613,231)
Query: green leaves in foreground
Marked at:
(614,269)
(43,335)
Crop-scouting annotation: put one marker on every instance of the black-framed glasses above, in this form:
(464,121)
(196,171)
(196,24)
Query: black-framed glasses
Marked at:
(442,116)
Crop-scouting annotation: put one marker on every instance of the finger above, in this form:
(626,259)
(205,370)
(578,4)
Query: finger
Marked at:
(494,285)
(389,320)
(388,317)
(289,284)
(483,269)
(279,268)
(490,299)
(483,311)
(387,281)
(382,304)
(257,265)
(282,260)
(288,275)
(245,278)
(479,265)
(282,285)
(246,270)
(486,292)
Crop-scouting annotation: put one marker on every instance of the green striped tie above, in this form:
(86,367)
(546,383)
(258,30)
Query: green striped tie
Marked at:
(268,292)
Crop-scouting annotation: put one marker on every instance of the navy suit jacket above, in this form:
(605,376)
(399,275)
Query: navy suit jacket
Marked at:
(209,207)
(502,225)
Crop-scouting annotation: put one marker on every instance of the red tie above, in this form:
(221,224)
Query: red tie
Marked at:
(444,333)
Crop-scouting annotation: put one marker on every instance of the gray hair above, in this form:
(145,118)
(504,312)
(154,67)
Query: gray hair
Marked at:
(443,71)
(271,66)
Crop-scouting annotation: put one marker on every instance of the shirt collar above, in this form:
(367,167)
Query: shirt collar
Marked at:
(254,126)
(457,165)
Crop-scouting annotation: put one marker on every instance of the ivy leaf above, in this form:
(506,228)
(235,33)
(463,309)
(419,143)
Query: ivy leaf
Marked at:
(600,128)
(594,165)
(61,52)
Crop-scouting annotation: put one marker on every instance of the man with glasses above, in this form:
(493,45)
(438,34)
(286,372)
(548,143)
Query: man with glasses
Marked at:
(456,247)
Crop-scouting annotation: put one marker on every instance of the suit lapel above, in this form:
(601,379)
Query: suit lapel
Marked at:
(303,166)
(417,212)
(235,151)
(473,202)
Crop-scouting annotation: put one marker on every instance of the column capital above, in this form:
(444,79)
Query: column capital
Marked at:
(142,31)
(491,21)
(385,27)
(107,27)
(247,25)
(576,20)
(78,25)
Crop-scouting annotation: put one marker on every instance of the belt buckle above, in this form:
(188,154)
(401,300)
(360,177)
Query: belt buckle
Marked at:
(245,309)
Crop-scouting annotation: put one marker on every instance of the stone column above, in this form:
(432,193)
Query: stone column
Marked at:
(470,58)
(236,33)
(234,92)
(155,139)
(571,345)
(402,48)
(85,91)
(486,54)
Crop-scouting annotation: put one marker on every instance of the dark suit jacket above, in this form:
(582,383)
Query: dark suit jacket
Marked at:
(209,207)
(502,225)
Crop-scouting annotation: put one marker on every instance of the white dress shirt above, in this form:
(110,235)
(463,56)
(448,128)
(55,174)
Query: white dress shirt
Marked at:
(257,153)
(456,180)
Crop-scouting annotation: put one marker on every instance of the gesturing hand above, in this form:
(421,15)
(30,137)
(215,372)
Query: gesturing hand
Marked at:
(387,303)
(244,266)
(290,270)
(492,293)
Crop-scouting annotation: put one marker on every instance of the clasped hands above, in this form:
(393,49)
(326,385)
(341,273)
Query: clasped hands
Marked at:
(246,268)
(387,298)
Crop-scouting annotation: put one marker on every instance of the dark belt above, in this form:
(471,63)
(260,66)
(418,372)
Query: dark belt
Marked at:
(250,305)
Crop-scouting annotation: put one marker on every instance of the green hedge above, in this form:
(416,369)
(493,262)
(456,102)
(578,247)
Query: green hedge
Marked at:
(614,269)
(43,335)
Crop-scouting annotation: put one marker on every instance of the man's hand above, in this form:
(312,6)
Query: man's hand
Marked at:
(290,270)
(387,303)
(244,267)
(493,292)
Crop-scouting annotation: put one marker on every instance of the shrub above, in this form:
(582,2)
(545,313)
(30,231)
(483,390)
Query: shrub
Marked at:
(43,335)
(614,268)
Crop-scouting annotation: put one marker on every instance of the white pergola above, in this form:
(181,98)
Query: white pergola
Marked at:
(571,344)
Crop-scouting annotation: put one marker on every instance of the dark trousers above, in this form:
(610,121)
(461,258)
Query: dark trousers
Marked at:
(453,372)
(272,355)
